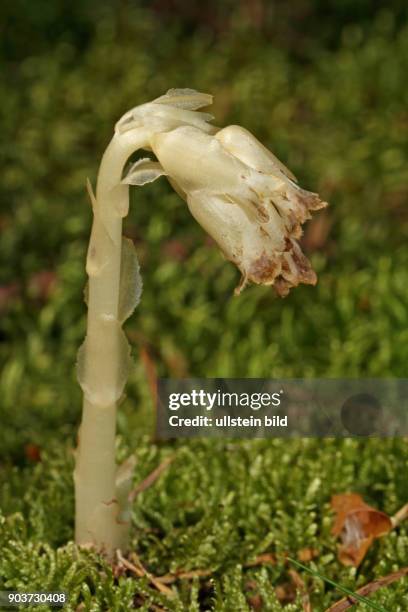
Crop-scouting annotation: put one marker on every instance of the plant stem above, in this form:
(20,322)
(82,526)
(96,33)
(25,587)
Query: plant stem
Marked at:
(103,360)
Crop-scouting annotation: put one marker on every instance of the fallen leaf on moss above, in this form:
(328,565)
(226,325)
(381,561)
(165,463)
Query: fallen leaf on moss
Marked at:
(357,524)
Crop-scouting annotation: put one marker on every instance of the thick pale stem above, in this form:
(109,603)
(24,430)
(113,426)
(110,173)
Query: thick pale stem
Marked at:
(100,520)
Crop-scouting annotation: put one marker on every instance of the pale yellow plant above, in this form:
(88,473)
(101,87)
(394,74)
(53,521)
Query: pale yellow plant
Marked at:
(242,195)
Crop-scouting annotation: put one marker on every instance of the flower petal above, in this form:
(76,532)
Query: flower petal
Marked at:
(163,118)
(143,171)
(198,161)
(293,203)
(189,99)
(243,145)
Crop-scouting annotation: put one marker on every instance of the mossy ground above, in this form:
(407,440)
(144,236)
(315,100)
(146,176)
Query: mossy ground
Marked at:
(327,96)
(217,507)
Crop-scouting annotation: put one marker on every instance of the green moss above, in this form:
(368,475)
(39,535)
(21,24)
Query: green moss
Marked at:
(217,507)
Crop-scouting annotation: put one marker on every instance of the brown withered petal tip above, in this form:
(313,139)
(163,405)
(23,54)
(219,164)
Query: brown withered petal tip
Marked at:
(283,270)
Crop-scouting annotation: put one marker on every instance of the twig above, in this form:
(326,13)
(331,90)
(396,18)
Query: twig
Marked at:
(170,578)
(139,573)
(138,569)
(399,516)
(161,587)
(264,559)
(301,587)
(150,479)
(368,589)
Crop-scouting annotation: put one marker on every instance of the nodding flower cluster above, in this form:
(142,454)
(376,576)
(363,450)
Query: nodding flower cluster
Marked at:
(236,189)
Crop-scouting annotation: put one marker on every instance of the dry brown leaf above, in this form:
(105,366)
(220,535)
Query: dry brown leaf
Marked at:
(301,587)
(307,554)
(357,524)
(368,589)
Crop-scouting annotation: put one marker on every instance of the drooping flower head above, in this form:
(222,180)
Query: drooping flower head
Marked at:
(238,191)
